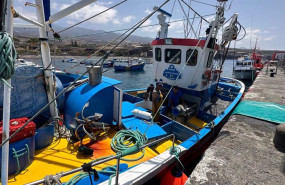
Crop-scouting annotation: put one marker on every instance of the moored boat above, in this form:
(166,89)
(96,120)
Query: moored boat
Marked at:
(131,66)
(103,132)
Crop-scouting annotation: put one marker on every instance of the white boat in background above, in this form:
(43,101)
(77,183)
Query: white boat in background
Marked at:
(244,68)
(70,60)
(21,61)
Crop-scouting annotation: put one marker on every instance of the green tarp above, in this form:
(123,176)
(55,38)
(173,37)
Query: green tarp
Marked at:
(262,110)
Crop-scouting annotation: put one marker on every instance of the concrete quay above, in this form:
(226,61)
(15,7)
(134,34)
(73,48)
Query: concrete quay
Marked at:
(243,152)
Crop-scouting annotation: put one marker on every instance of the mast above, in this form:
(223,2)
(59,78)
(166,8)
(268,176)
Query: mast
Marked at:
(8,27)
(45,51)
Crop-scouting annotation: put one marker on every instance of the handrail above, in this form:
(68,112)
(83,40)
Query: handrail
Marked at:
(117,156)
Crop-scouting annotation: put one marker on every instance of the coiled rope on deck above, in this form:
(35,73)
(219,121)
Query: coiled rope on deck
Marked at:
(125,139)
(8,56)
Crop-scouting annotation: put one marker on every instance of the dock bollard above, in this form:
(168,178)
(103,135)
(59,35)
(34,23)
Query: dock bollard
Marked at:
(279,138)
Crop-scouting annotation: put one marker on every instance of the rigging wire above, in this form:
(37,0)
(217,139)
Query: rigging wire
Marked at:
(113,31)
(187,19)
(171,11)
(92,16)
(204,3)
(92,66)
(194,11)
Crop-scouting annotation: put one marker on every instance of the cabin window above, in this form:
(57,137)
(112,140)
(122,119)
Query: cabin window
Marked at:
(210,59)
(173,56)
(249,63)
(193,60)
(158,54)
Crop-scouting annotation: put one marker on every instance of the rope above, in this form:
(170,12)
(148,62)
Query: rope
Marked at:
(8,56)
(76,178)
(17,154)
(125,139)
(176,152)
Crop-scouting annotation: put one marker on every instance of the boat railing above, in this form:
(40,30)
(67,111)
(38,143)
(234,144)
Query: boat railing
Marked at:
(117,156)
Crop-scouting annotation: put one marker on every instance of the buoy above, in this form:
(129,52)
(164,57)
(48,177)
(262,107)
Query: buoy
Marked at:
(142,114)
(175,176)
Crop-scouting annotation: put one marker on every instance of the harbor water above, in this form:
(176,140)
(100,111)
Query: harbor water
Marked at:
(129,79)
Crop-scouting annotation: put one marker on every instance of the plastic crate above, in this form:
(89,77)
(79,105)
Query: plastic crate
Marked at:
(15,124)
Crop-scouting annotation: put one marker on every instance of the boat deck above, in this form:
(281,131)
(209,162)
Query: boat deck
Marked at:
(244,152)
(63,156)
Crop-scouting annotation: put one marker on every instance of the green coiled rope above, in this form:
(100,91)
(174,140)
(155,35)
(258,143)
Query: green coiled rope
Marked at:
(125,139)
(8,56)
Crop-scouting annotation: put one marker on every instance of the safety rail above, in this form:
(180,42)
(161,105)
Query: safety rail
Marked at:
(117,156)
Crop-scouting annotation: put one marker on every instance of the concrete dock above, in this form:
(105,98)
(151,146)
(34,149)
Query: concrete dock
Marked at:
(243,152)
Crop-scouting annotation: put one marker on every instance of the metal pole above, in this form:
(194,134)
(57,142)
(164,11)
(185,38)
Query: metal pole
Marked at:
(6,103)
(75,170)
(46,59)
(117,171)
(69,10)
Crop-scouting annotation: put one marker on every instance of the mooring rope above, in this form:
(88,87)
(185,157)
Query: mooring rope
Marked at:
(8,56)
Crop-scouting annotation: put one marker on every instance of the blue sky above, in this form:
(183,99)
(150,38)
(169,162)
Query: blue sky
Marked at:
(262,18)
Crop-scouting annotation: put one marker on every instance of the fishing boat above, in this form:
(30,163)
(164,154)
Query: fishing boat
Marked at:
(92,132)
(131,66)
(248,66)
(109,63)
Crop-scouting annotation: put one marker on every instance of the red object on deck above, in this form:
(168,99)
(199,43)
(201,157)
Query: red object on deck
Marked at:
(174,178)
(15,124)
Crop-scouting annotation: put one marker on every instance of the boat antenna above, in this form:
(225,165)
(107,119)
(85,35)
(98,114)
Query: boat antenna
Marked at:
(251,32)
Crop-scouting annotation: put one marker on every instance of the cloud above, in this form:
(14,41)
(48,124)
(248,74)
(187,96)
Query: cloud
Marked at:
(91,10)
(147,11)
(105,3)
(151,29)
(268,38)
(54,6)
(128,19)
(70,22)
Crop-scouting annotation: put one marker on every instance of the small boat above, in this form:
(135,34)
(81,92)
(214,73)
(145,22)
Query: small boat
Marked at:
(71,60)
(109,63)
(24,62)
(132,66)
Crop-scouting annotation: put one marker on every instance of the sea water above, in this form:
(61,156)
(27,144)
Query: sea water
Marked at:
(129,79)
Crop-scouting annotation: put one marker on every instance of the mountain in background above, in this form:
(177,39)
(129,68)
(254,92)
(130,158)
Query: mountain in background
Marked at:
(97,35)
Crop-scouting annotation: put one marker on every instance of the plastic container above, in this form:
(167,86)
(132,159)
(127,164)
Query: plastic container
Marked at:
(15,124)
